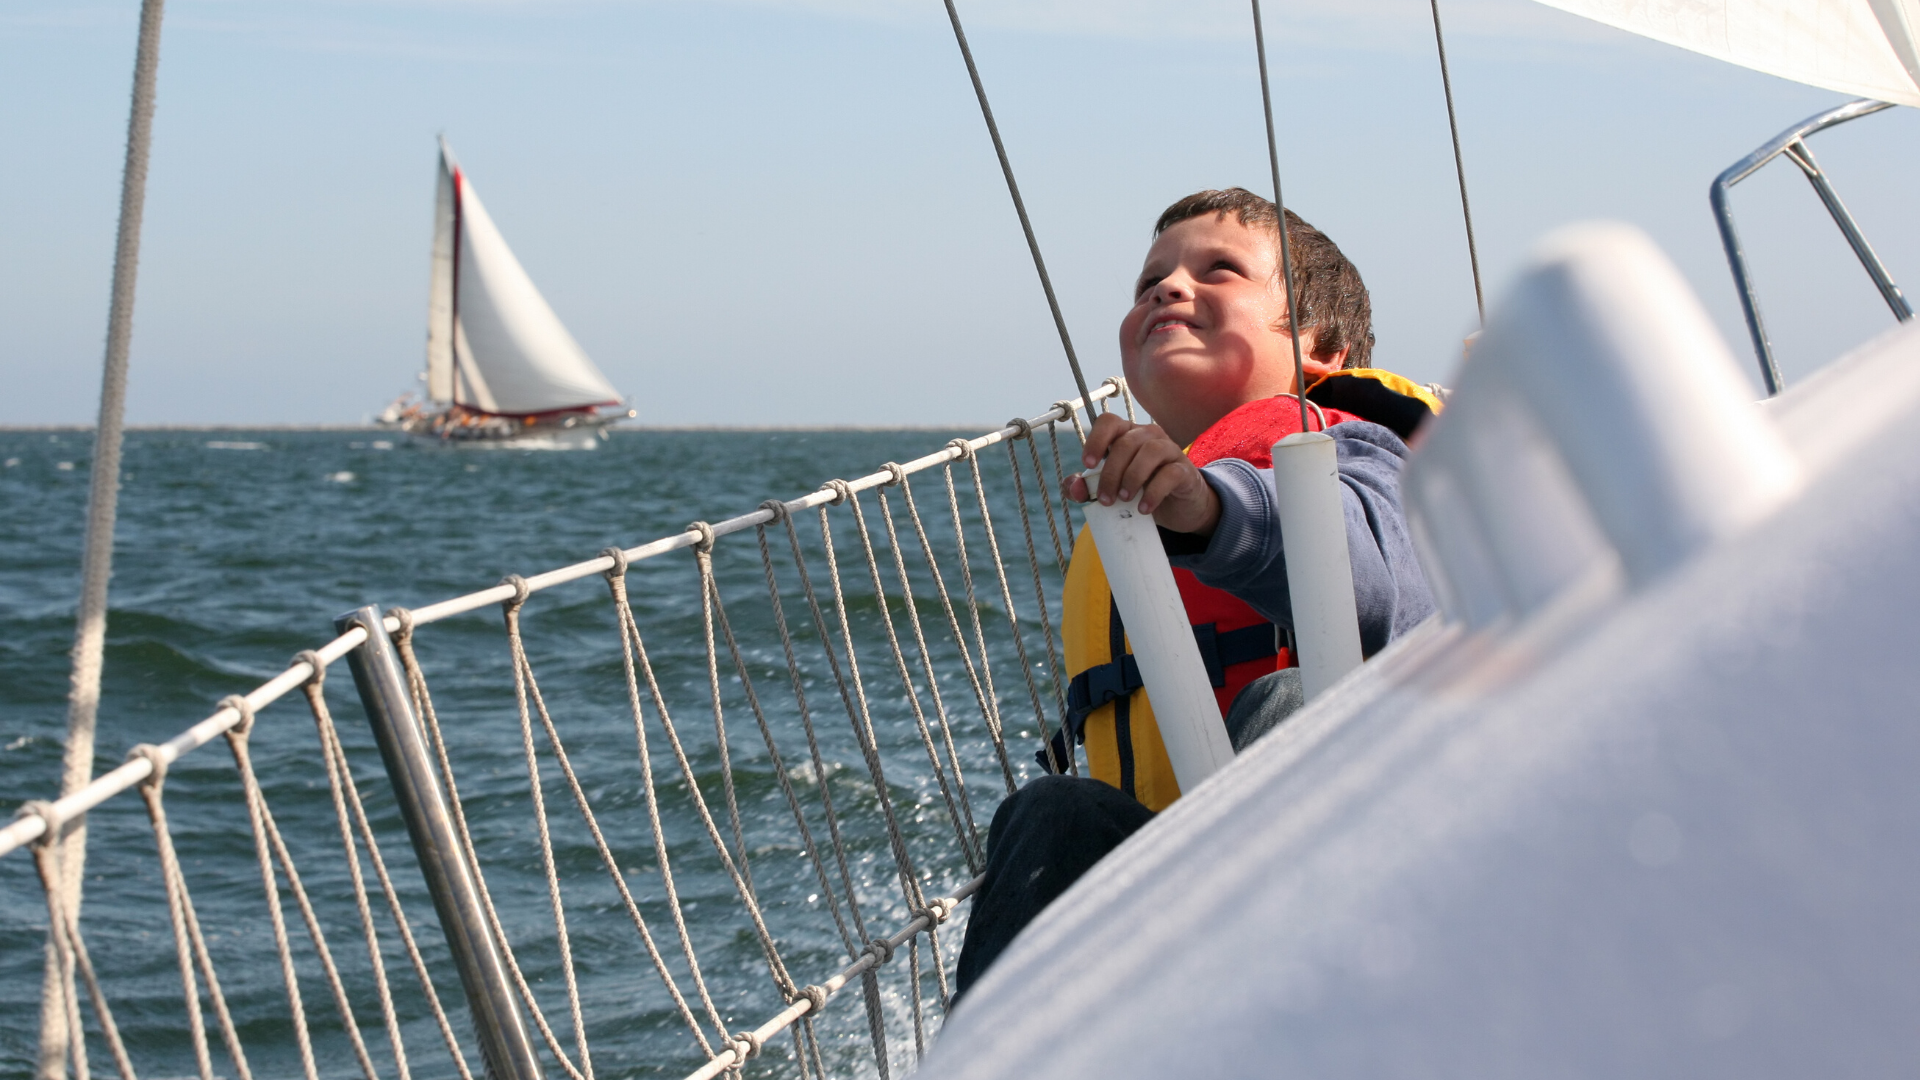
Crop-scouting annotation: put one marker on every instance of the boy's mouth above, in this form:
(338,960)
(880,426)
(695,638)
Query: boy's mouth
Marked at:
(1169,324)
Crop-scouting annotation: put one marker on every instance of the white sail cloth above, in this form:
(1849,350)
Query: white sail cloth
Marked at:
(1863,47)
(493,342)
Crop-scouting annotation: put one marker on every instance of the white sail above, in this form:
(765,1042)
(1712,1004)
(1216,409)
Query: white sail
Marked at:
(493,343)
(1862,47)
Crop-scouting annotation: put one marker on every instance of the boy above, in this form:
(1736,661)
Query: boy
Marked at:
(1206,349)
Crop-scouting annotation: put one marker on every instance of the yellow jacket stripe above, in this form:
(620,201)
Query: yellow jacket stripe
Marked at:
(1123,741)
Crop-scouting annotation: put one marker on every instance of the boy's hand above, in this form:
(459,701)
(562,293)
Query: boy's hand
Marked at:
(1142,458)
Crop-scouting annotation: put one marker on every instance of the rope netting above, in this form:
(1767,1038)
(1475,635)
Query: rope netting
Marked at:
(833,715)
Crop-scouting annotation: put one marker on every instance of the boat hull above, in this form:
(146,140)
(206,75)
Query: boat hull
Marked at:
(578,431)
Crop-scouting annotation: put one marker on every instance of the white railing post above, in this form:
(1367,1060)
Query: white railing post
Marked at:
(1184,707)
(1313,525)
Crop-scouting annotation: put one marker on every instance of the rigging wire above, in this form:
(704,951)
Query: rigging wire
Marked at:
(1020,207)
(1280,211)
(1459,165)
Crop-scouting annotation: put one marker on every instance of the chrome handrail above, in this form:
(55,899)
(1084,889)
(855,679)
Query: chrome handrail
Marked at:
(1792,144)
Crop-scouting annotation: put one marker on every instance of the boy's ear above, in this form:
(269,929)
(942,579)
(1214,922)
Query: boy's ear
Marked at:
(1325,363)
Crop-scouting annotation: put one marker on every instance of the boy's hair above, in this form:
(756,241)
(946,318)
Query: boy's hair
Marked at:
(1333,300)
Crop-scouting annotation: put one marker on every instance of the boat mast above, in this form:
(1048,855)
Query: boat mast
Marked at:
(453,309)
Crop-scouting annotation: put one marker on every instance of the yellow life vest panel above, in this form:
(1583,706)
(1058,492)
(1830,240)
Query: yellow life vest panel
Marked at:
(1123,742)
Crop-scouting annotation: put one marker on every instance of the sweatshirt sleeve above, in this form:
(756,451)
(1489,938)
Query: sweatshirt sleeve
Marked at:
(1246,555)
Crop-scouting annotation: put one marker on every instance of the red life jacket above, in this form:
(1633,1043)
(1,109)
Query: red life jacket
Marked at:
(1247,433)
(1107,707)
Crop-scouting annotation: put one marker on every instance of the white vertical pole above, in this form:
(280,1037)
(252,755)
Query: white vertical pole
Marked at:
(1313,526)
(1184,707)
(90,631)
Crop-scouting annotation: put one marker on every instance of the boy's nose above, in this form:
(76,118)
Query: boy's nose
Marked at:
(1173,288)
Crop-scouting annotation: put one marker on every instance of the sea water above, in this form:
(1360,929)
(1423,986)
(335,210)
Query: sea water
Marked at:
(236,549)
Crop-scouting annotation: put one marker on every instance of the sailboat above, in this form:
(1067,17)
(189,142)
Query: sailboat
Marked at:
(502,370)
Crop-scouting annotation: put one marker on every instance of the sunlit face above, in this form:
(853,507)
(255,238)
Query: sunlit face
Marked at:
(1207,332)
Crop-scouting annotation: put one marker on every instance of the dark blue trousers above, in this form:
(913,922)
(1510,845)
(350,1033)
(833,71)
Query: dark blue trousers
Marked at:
(1054,829)
(1042,839)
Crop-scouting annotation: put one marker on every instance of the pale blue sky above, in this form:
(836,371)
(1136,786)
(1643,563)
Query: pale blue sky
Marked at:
(788,211)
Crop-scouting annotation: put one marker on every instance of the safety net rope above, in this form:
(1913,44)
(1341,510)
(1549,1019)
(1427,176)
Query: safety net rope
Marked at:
(883,628)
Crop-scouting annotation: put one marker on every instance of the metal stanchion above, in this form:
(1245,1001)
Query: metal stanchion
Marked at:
(497,1020)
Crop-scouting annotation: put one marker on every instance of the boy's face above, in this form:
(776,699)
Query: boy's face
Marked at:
(1207,332)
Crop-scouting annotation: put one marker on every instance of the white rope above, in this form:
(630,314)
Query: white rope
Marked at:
(237,740)
(423,700)
(703,559)
(1040,596)
(189,942)
(182,946)
(61,1036)
(606,854)
(962,823)
(781,977)
(1119,386)
(913,984)
(813,749)
(103,496)
(994,724)
(337,779)
(523,687)
(804,1037)
(634,656)
(988,715)
(742,875)
(868,982)
(1059,483)
(971,842)
(69,957)
(711,589)
(264,825)
(962,815)
(863,727)
(1070,411)
(324,719)
(1013,615)
(1046,497)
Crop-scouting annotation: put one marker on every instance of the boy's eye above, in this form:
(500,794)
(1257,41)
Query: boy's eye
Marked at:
(1140,289)
(1223,264)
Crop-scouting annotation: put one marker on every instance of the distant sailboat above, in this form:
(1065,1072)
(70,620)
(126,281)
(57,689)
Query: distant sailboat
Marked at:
(501,368)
